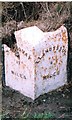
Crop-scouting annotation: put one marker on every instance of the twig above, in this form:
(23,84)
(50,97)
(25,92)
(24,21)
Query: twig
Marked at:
(48,9)
(43,7)
(23,9)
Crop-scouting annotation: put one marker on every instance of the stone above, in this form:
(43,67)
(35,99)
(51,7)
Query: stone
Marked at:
(41,63)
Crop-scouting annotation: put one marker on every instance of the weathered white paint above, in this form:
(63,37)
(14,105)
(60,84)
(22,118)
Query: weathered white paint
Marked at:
(42,64)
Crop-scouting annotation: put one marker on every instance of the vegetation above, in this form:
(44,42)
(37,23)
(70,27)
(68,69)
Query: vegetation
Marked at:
(45,115)
(34,11)
(48,16)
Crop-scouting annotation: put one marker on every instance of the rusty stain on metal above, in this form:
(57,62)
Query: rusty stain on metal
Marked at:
(41,66)
(56,59)
(46,76)
(64,38)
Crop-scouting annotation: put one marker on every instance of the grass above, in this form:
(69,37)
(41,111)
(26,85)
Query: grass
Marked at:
(4,116)
(45,115)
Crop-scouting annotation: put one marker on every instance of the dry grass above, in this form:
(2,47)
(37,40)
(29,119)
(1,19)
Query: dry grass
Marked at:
(48,16)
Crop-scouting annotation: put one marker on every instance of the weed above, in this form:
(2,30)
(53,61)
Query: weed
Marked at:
(43,115)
